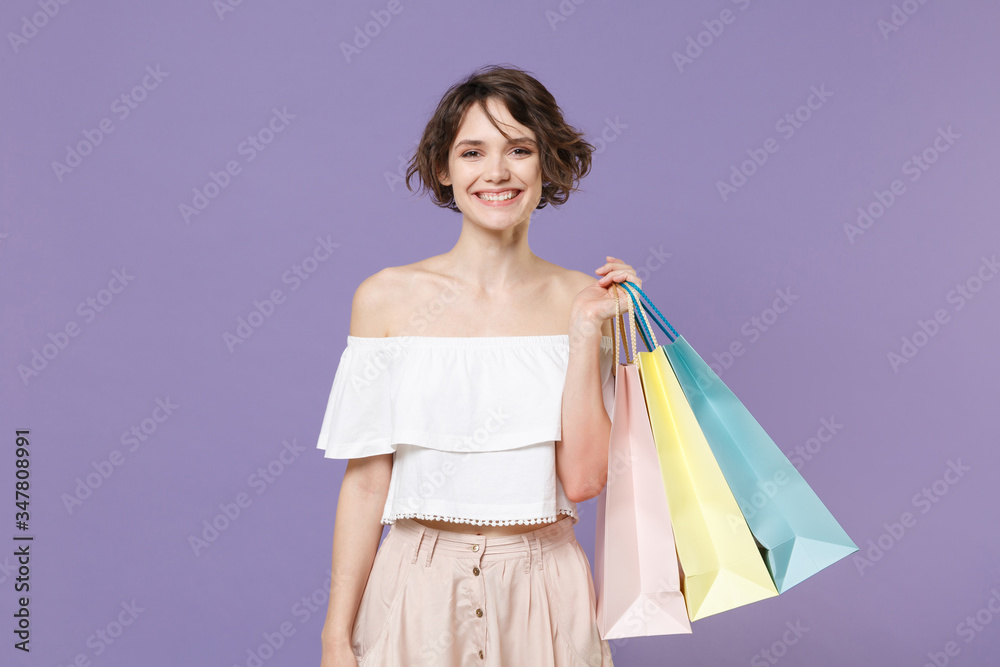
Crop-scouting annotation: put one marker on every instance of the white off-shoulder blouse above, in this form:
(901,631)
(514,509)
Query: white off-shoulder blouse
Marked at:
(472,423)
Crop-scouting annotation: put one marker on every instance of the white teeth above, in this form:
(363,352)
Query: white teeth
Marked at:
(499,197)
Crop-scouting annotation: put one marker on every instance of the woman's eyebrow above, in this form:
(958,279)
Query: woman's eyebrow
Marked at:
(477,143)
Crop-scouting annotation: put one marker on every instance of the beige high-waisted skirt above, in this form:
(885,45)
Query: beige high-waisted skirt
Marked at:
(447,599)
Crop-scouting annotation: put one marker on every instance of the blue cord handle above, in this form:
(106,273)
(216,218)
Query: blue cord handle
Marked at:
(643,331)
(640,325)
(656,318)
(658,313)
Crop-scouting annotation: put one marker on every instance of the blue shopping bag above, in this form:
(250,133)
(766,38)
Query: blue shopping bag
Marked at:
(797,534)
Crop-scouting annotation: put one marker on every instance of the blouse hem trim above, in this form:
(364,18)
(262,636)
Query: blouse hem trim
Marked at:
(480,522)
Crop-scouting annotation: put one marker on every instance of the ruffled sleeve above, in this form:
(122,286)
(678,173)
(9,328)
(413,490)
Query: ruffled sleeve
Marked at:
(450,394)
(357,419)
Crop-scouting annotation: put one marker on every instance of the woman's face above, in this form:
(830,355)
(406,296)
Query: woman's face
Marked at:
(496,182)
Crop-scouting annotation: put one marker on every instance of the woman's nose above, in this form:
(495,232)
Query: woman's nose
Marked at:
(497,169)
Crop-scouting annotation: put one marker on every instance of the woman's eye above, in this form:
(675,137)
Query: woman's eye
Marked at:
(524,150)
(466,153)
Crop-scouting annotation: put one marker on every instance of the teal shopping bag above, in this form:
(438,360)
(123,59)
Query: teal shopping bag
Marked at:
(796,532)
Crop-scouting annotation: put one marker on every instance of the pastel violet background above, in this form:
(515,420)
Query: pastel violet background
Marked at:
(667,134)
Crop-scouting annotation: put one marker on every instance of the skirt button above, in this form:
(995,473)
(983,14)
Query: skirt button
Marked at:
(475,547)
(475,571)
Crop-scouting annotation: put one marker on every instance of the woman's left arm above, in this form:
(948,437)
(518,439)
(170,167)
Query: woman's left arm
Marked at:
(582,452)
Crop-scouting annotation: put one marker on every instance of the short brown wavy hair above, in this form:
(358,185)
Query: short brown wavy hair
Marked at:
(565,156)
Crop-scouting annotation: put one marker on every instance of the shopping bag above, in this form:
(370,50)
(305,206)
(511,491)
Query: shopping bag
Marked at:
(721,567)
(636,573)
(797,533)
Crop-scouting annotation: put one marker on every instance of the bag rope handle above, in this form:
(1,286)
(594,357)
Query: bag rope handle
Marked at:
(644,323)
(617,334)
(633,320)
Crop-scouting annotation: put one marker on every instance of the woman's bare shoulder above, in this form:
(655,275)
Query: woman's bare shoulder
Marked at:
(569,280)
(374,298)
(381,300)
(392,280)
(578,279)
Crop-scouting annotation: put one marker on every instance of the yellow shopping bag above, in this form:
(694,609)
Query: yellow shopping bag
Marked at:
(721,565)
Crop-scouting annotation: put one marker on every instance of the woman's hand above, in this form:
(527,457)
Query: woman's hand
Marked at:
(616,270)
(596,303)
(599,298)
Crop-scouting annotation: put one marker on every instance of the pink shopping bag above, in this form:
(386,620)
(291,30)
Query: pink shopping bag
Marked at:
(636,569)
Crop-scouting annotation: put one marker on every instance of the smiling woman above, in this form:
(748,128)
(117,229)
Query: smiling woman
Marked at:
(475,439)
(499,95)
